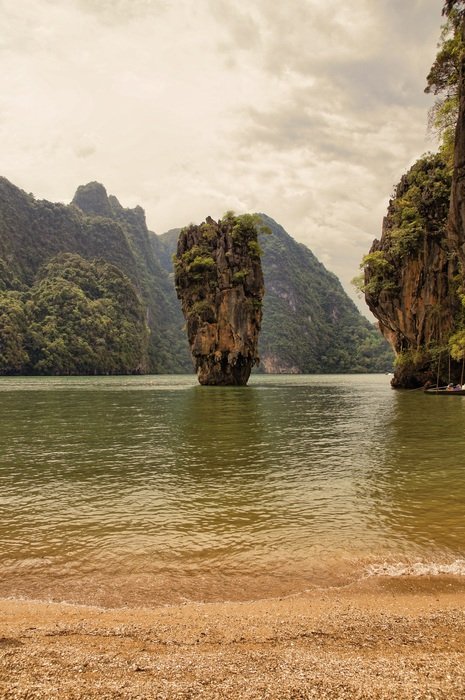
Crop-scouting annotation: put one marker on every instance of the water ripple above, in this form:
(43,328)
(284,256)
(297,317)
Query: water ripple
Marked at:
(106,479)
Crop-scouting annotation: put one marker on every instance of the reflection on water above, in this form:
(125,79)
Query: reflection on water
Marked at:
(419,486)
(154,489)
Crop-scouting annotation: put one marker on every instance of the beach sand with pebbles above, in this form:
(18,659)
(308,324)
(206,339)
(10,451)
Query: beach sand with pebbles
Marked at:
(390,638)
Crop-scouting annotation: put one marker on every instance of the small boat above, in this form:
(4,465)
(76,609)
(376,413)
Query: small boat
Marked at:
(444,391)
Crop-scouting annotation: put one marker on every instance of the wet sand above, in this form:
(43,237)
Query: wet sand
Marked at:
(385,638)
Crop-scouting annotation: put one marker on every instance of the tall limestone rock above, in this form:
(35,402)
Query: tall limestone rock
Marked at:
(309,323)
(456,223)
(410,273)
(219,281)
(415,276)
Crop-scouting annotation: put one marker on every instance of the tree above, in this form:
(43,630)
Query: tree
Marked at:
(443,81)
(80,317)
(13,329)
(451,6)
(85,318)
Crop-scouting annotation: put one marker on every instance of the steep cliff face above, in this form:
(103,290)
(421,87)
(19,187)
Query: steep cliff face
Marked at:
(456,227)
(94,226)
(410,273)
(168,350)
(219,281)
(309,323)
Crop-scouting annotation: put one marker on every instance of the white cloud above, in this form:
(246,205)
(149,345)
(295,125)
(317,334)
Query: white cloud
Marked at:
(191,109)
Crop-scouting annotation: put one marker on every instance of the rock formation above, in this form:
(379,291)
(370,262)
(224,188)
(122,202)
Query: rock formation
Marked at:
(456,227)
(309,324)
(410,273)
(414,276)
(219,281)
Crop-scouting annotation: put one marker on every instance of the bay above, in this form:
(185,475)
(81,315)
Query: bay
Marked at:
(149,490)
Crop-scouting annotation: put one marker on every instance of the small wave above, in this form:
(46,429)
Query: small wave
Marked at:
(419,568)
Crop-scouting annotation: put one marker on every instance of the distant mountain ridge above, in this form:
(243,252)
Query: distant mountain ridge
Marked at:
(94,226)
(309,324)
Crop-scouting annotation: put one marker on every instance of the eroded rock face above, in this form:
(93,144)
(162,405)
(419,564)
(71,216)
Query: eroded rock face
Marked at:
(418,312)
(456,223)
(219,281)
(410,282)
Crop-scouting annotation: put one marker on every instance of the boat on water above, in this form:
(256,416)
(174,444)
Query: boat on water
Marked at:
(444,391)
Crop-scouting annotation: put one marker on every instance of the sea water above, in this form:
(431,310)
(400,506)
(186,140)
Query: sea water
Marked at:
(150,490)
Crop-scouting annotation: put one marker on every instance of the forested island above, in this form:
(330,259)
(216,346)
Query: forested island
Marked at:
(86,288)
(413,278)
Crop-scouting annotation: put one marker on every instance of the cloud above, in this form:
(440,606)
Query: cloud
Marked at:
(121,11)
(189,109)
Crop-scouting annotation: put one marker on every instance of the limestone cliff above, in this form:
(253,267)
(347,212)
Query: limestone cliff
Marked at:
(414,277)
(309,323)
(410,273)
(219,281)
(456,227)
(168,350)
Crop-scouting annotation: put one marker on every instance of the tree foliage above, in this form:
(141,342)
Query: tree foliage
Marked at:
(13,333)
(32,232)
(309,323)
(457,6)
(80,317)
(416,214)
(443,80)
(420,205)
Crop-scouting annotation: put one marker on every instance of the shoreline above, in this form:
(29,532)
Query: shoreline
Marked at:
(382,638)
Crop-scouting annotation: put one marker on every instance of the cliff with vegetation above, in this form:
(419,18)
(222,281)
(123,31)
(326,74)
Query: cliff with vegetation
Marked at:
(410,276)
(76,278)
(309,323)
(219,281)
(55,307)
(413,276)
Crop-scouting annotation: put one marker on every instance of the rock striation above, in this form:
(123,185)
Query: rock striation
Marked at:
(309,324)
(219,280)
(456,223)
(410,273)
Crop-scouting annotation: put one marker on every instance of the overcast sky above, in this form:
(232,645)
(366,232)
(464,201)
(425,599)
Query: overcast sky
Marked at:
(307,110)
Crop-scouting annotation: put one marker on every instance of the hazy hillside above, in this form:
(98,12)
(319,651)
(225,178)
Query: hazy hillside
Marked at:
(168,347)
(60,306)
(33,232)
(309,322)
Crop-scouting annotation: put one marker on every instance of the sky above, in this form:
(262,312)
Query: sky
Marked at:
(306,110)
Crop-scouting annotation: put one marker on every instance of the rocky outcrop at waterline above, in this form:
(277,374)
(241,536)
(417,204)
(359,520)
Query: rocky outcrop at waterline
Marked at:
(410,280)
(219,281)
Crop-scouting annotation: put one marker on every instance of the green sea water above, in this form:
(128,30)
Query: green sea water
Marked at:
(149,490)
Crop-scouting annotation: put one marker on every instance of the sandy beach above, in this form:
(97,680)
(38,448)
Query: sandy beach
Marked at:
(385,638)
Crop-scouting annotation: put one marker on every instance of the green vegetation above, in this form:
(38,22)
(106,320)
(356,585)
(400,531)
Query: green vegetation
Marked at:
(442,81)
(420,205)
(239,276)
(254,249)
(196,266)
(409,276)
(309,323)
(13,332)
(380,271)
(95,227)
(88,312)
(201,264)
(417,214)
(203,309)
(80,317)
(246,227)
